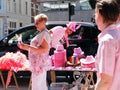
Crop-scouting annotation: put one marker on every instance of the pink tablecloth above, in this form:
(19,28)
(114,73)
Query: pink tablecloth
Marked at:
(70,68)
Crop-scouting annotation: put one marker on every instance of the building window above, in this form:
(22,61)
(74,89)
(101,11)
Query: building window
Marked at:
(14,6)
(20,24)
(12,25)
(85,5)
(9,5)
(37,8)
(26,8)
(80,5)
(55,6)
(0,4)
(19,6)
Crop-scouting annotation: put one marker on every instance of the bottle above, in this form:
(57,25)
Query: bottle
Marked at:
(75,58)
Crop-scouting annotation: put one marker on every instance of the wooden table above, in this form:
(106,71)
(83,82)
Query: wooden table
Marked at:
(2,79)
(5,86)
(84,73)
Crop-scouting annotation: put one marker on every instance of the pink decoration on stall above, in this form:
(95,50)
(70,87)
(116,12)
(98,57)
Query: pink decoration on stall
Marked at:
(59,57)
(88,62)
(13,61)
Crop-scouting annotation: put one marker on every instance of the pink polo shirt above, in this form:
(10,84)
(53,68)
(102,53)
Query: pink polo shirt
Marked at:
(108,55)
(58,33)
(118,25)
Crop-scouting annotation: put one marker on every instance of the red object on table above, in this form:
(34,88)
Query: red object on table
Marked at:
(13,61)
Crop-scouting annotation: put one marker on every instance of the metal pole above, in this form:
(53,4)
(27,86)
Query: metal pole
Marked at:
(69,15)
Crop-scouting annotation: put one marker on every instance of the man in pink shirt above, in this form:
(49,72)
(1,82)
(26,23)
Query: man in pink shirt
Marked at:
(118,24)
(108,54)
(60,34)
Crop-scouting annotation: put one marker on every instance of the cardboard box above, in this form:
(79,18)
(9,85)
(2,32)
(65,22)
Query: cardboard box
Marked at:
(59,86)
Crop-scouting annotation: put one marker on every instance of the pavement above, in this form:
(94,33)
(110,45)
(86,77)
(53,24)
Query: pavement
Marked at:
(11,87)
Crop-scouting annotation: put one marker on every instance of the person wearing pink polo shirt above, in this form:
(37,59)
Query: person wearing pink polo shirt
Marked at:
(60,34)
(118,24)
(108,54)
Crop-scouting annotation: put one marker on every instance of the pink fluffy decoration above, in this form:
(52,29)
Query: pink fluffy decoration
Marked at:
(13,61)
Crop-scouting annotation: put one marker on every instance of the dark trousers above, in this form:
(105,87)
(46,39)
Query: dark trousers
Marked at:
(51,52)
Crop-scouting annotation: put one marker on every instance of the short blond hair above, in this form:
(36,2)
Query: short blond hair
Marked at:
(41,17)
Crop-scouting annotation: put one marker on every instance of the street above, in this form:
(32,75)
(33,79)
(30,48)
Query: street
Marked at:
(11,87)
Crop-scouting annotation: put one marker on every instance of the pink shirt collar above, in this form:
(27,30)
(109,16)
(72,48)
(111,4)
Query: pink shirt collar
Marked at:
(110,27)
(118,25)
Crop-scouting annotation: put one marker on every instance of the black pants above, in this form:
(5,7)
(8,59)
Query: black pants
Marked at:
(51,52)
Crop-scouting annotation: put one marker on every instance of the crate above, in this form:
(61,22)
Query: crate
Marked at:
(59,86)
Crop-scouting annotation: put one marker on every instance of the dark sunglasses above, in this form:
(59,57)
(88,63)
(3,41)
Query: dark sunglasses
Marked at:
(36,23)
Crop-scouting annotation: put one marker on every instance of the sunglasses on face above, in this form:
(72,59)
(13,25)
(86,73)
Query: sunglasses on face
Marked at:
(36,23)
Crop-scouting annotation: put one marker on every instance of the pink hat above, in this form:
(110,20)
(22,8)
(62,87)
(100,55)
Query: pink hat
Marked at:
(60,48)
(88,60)
(78,51)
(72,26)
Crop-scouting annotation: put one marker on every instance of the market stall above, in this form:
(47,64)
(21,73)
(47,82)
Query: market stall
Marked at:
(81,66)
(79,73)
